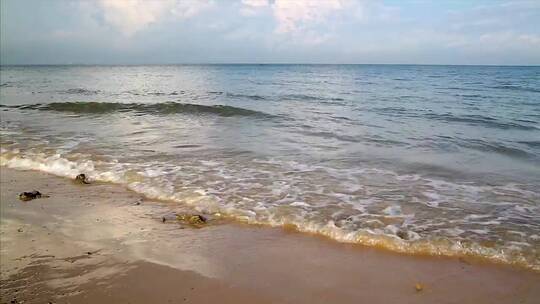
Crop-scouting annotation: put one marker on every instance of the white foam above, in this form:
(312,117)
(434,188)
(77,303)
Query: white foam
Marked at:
(54,164)
(391,229)
(476,216)
(433,204)
(479,231)
(392,210)
(261,212)
(300,204)
(432,195)
(454,231)
(209,163)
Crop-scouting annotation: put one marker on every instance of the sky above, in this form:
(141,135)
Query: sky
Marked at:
(270,31)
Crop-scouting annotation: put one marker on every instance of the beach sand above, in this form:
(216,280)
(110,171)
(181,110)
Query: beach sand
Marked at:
(101,243)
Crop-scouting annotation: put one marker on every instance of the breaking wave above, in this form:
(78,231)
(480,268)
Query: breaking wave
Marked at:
(144,108)
(147,181)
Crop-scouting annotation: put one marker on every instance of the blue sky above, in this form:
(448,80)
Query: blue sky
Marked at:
(270,31)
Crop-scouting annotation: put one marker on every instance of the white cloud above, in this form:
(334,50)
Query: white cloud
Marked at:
(131,16)
(255,3)
(533,40)
(253,7)
(510,40)
(296,15)
(187,9)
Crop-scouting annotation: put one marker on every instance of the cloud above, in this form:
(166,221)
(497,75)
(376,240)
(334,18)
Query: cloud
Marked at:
(510,40)
(252,7)
(299,21)
(131,16)
(312,22)
(255,3)
(188,9)
(292,16)
(295,15)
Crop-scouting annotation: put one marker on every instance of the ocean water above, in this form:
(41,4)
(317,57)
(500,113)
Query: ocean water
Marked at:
(441,160)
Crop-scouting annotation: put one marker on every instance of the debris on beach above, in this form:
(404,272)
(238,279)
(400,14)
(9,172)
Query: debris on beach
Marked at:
(81,179)
(402,235)
(192,219)
(418,287)
(27,196)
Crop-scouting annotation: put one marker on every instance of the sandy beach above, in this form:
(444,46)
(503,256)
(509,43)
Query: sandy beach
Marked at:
(101,243)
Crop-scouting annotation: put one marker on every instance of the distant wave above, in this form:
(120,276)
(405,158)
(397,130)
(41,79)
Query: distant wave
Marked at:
(151,108)
(481,120)
(310,97)
(247,96)
(532,143)
(516,88)
(153,93)
(376,140)
(482,145)
(473,96)
(80,91)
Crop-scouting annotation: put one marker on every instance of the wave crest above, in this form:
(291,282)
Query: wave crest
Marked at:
(144,108)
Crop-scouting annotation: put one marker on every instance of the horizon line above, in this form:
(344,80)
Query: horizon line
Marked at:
(258,63)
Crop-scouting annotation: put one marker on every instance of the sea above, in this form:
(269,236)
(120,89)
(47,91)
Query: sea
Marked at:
(418,159)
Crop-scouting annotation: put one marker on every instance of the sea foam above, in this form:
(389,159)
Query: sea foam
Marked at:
(149,183)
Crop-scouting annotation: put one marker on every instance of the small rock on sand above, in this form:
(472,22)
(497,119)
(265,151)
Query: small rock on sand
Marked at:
(26,196)
(192,219)
(81,179)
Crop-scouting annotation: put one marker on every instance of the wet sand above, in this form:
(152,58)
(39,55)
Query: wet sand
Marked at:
(101,243)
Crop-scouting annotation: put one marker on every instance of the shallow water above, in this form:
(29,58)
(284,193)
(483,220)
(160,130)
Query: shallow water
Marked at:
(420,159)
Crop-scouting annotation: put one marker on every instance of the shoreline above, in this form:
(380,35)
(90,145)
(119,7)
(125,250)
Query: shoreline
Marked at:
(70,246)
(481,252)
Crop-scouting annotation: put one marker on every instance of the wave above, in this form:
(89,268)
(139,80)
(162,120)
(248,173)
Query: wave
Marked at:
(390,237)
(80,91)
(7,84)
(247,96)
(485,146)
(447,143)
(311,97)
(144,108)
(152,93)
(531,143)
(478,120)
(282,97)
(516,88)
(473,96)
(471,119)
(173,93)
(376,140)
